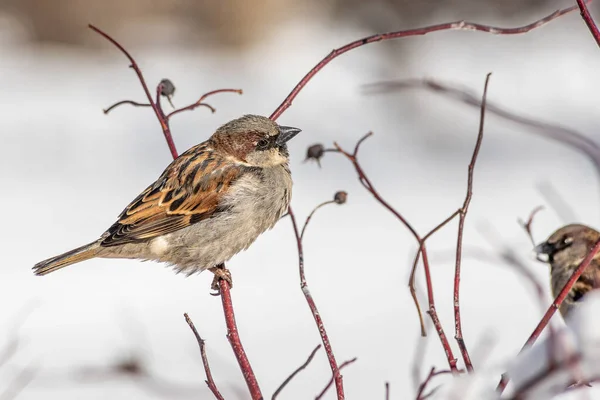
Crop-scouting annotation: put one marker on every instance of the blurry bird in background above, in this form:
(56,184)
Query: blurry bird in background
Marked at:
(210,203)
(565,250)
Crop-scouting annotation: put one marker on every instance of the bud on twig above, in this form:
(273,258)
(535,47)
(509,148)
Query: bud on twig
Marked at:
(167,89)
(340,197)
(315,152)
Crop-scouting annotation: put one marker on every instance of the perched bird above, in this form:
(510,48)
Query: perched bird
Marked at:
(565,250)
(210,203)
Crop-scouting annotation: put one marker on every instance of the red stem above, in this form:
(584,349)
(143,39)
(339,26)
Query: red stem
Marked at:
(458,335)
(364,180)
(458,25)
(339,385)
(236,344)
(589,21)
(138,71)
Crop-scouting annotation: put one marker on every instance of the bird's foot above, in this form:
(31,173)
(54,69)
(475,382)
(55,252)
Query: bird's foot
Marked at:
(221,273)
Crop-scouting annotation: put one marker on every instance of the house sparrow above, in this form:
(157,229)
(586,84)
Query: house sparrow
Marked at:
(210,203)
(565,250)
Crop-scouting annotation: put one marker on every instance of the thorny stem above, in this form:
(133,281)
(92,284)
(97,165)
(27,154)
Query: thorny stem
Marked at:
(339,385)
(232,332)
(296,371)
(461,226)
(458,25)
(209,379)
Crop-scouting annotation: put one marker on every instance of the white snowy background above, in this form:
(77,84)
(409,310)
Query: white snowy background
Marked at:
(67,171)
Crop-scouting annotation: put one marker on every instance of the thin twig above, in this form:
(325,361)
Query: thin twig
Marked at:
(311,215)
(293,374)
(558,133)
(339,385)
(326,388)
(527,224)
(461,226)
(200,101)
(458,25)
(120,103)
(589,21)
(432,374)
(209,379)
(159,115)
(421,252)
(387,391)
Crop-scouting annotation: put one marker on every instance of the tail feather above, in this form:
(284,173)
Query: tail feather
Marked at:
(71,257)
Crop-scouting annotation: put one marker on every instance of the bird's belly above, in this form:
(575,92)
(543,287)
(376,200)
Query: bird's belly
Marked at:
(215,240)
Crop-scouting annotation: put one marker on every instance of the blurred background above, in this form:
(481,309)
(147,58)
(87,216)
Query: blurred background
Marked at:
(114,329)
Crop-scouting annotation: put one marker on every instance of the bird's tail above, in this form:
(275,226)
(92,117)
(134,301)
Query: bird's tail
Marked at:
(71,257)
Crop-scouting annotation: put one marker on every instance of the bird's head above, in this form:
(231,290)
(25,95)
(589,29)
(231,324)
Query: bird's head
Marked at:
(568,246)
(255,140)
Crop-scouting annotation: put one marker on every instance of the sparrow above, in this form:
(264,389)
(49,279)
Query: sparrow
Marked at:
(565,250)
(210,203)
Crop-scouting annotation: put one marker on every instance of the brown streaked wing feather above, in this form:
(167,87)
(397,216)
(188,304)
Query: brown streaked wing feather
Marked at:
(188,191)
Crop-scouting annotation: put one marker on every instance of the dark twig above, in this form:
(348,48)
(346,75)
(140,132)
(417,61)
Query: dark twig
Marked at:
(232,334)
(159,114)
(527,224)
(432,374)
(209,379)
(326,388)
(120,103)
(339,385)
(296,372)
(387,391)
(558,133)
(458,25)
(311,215)
(461,226)
(201,99)
(589,21)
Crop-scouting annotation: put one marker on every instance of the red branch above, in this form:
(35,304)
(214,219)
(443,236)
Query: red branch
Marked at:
(326,388)
(232,332)
(364,180)
(432,374)
(236,344)
(589,21)
(555,306)
(339,385)
(461,226)
(457,25)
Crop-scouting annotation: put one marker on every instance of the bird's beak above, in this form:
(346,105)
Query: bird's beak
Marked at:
(543,251)
(285,134)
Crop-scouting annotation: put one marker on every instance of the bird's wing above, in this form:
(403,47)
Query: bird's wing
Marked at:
(190,190)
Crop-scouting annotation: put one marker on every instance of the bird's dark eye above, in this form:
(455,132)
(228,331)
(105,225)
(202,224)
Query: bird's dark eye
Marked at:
(262,144)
